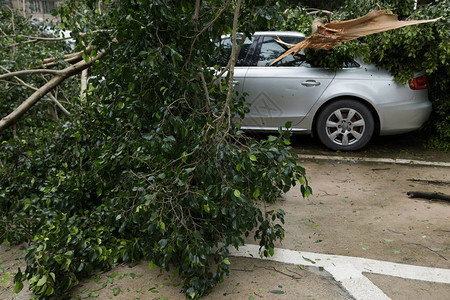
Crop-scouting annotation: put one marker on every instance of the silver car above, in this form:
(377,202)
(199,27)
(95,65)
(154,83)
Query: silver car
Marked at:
(343,108)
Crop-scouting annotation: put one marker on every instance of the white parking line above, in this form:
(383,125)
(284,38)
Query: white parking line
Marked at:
(348,271)
(377,160)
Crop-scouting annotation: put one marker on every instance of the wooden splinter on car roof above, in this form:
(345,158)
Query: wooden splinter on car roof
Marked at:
(336,32)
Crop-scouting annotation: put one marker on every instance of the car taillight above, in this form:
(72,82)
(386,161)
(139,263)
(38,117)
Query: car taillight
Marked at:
(419,83)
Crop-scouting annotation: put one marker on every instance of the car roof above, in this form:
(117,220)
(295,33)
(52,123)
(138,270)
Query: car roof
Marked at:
(272,33)
(282,33)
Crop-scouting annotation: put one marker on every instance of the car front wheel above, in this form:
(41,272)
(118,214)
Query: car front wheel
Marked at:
(345,125)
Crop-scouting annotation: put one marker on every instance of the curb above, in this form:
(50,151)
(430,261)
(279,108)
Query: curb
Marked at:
(376,160)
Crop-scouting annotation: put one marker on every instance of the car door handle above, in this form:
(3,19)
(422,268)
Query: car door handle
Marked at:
(235,82)
(310,83)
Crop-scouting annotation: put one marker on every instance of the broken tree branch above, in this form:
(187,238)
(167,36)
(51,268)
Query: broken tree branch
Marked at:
(13,117)
(336,32)
(428,195)
(69,58)
(39,38)
(27,72)
(23,83)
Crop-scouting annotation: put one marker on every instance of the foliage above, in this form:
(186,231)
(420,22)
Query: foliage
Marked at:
(402,52)
(151,166)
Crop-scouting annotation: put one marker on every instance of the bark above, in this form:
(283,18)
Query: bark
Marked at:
(29,72)
(197,9)
(232,63)
(13,117)
(84,77)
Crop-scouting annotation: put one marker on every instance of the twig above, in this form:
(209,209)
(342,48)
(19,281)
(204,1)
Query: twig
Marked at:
(294,272)
(416,244)
(278,271)
(381,169)
(397,232)
(205,88)
(227,4)
(326,194)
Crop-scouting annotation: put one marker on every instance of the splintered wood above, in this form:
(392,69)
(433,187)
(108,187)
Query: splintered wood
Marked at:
(336,32)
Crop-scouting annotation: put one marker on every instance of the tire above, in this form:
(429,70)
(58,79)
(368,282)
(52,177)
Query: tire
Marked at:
(345,125)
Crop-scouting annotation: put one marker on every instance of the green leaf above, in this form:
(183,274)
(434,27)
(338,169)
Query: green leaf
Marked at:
(116,291)
(162,243)
(42,281)
(151,265)
(99,191)
(162,225)
(310,260)
(252,157)
(278,292)
(18,287)
(49,291)
(5,277)
(94,294)
(237,193)
(226,261)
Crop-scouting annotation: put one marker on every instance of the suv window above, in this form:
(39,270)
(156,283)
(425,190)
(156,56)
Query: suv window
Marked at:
(271,49)
(225,51)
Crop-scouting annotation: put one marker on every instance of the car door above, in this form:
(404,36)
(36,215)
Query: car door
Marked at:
(284,92)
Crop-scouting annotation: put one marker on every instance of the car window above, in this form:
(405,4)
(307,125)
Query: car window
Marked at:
(271,50)
(225,51)
(350,63)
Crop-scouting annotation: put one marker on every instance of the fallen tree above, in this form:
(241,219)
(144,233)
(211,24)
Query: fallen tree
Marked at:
(148,165)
